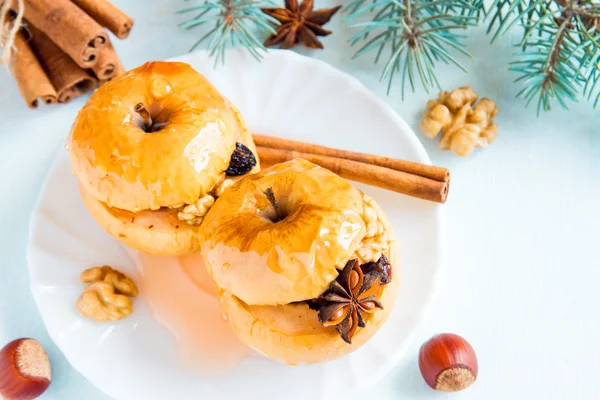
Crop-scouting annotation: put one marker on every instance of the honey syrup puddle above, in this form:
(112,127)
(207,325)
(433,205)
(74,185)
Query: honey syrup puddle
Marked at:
(182,298)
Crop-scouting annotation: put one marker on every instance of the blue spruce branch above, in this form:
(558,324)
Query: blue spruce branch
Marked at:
(557,62)
(560,48)
(415,34)
(234,24)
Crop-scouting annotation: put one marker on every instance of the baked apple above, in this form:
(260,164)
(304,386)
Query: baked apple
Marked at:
(152,150)
(304,263)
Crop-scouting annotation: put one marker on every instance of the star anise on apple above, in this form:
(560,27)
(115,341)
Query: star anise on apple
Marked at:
(348,298)
(299,23)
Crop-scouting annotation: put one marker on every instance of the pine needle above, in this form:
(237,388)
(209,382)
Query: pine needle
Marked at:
(560,48)
(415,34)
(236,23)
(558,59)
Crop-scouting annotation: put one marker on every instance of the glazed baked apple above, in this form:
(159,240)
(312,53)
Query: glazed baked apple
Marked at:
(305,264)
(152,150)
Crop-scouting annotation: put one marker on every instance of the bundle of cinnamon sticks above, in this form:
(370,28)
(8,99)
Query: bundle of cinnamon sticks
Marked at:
(62,49)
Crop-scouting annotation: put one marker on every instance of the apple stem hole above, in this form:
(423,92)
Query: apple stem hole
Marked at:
(271,197)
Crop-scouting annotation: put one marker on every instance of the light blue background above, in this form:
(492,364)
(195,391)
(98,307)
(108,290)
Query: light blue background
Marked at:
(522,273)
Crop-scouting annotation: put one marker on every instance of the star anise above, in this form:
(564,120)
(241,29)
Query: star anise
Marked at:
(350,296)
(299,24)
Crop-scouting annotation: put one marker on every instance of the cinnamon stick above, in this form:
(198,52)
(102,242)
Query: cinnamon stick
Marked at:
(108,65)
(30,76)
(107,15)
(69,27)
(69,80)
(375,175)
(426,171)
(119,71)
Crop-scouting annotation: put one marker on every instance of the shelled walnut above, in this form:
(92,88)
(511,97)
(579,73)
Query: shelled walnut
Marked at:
(463,124)
(376,241)
(107,297)
(193,214)
(223,183)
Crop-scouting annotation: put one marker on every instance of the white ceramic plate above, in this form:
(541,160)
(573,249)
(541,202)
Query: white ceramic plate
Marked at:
(286,95)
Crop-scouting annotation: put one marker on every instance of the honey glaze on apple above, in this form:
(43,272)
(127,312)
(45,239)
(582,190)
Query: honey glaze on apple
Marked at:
(182,298)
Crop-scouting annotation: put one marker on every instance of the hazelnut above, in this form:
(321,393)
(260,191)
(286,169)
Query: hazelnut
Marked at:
(24,370)
(448,363)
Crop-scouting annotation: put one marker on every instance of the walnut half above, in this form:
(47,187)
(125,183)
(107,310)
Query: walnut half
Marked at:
(107,297)
(377,240)
(193,214)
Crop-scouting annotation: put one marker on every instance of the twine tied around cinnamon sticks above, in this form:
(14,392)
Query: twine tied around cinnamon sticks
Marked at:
(58,49)
(9,26)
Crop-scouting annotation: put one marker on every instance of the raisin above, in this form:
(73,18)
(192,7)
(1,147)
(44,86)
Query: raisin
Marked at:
(382,267)
(242,161)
